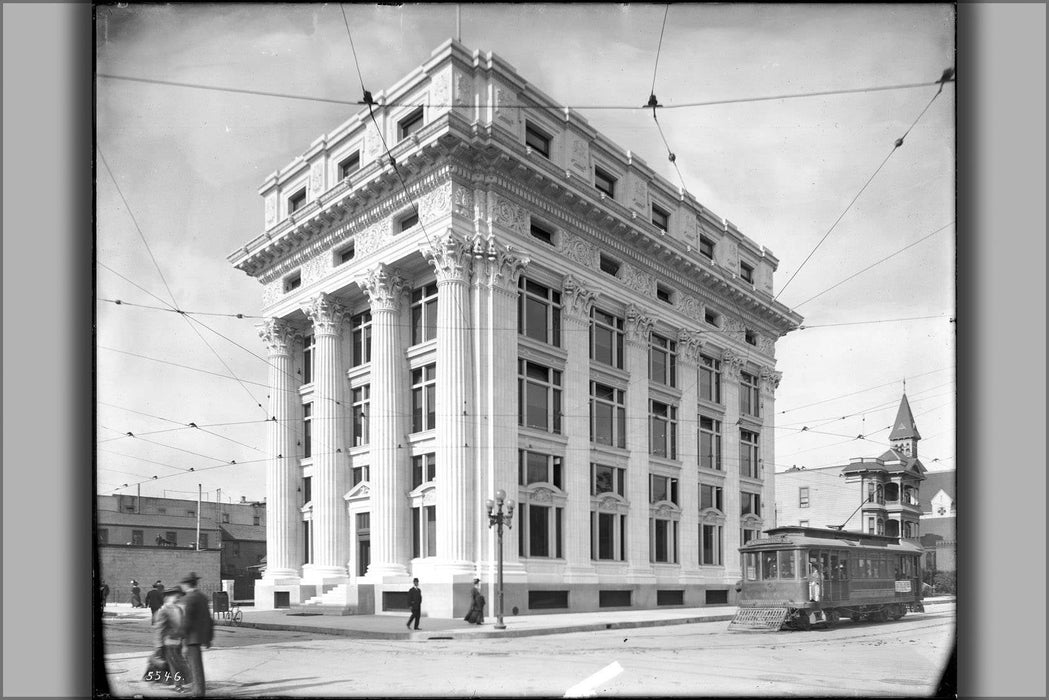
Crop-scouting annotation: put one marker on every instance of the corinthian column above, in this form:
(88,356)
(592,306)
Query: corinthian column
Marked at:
(388,476)
(458,506)
(638,329)
(688,351)
(330,531)
(283,544)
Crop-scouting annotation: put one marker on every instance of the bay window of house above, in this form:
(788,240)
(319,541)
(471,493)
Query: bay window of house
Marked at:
(358,475)
(607,536)
(424,392)
(539,312)
(749,397)
(709,379)
(711,545)
(662,355)
(748,455)
(307,358)
(539,396)
(750,503)
(607,479)
(424,313)
(424,469)
(607,415)
(870,525)
(606,338)
(361,339)
(803,497)
(538,468)
(359,411)
(709,443)
(710,496)
(307,430)
(662,488)
(424,531)
(662,429)
(663,540)
(540,531)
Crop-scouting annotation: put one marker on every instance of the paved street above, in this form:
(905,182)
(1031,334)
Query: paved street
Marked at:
(903,658)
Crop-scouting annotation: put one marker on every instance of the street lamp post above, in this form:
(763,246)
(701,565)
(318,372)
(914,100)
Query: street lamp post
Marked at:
(499,519)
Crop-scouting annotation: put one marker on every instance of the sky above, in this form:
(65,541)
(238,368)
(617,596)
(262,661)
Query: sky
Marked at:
(178,172)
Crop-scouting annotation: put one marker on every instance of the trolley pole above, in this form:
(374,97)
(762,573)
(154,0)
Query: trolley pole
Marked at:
(500,519)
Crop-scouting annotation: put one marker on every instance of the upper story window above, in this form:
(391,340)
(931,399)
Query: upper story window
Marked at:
(537,468)
(710,497)
(307,358)
(307,430)
(751,503)
(424,401)
(358,475)
(749,397)
(293,282)
(539,312)
(664,294)
(541,232)
(706,247)
(709,379)
(660,217)
(349,165)
(749,466)
(537,139)
(410,124)
(424,469)
(746,271)
(712,317)
(361,338)
(709,443)
(606,479)
(345,254)
(662,488)
(539,393)
(605,182)
(424,313)
(610,266)
(297,201)
(360,400)
(607,415)
(662,355)
(663,429)
(408,221)
(606,338)
(803,497)
(750,337)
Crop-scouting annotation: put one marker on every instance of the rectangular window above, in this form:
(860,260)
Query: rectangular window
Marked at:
(747,534)
(349,165)
(606,338)
(203,544)
(537,140)
(136,537)
(749,396)
(539,394)
(608,265)
(746,272)
(706,247)
(664,294)
(614,599)
(307,430)
(358,475)
(750,337)
(803,496)
(541,531)
(710,539)
(424,469)
(709,379)
(662,488)
(424,313)
(344,255)
(547,600)
(297,201)
(424,531)
(424,391)
(748,455)
(191,513)
(408,221)
(709,443)
(662,355)
(607,415)
(710,497)
(292,282)
(307,358)
(361,339)
(751,503)
(225,516)
(664,540)
(712,317)
(172,537)
(360,397)
(660,217)
(542,233)
(604,182)
(307,494)
(539,312)
(671,597)
(803,523)
(538,468)
(606,479)
(410,124)
(663,429)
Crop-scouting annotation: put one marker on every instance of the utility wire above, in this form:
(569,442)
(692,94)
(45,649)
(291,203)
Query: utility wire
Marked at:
(659,48)
(861,391)
(176,364)
(169,307)
(121,302)
(884,320)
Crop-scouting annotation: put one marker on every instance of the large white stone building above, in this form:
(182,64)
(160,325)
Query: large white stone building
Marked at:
(540,313)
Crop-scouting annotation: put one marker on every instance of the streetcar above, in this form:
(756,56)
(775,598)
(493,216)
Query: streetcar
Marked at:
(795,577)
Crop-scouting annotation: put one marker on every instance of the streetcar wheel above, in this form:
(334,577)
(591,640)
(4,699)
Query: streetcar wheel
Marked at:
(832,617)
(899,612)
(237,617)
(882,615)
(802,622)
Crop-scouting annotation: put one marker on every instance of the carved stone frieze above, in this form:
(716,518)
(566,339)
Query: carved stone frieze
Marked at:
(766,344)
(638,326)
(509,215)
(429,497)
(579,250)
(541,495)
(639,195)
(637,280)
(451,256)
(608,504)
(663,511)
(691,307)
(507,115)
(372,238)
(576,300)
(279,335)
(372,143)
(731,362)
(436,203)
(271,292)
(578,155)
(690,230)
(271,210)
(316,267)
(384,288)
(712,516)
(316,180)
(462,200)
(325,313)
(464,89)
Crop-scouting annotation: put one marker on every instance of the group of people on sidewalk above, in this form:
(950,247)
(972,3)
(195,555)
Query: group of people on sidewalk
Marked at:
(415,601)
(181,625)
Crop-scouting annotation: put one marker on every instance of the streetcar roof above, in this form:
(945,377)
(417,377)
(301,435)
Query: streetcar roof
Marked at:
(798,536)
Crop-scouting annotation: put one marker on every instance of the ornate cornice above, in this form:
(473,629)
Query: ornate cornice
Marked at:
(278,335)
(384,288)
(576,300)
(326,314)
(451,256)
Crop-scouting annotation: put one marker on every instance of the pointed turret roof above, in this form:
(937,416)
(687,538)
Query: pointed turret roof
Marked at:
(903,428)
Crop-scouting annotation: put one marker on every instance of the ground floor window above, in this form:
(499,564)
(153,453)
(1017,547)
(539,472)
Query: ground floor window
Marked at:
(711,544)
(663,540)
(747,534)
(608,536)
(424,531)
(539,531)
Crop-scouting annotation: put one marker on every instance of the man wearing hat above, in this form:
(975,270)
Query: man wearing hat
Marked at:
(197,630)
(155,598)
(167,642)
(415,602)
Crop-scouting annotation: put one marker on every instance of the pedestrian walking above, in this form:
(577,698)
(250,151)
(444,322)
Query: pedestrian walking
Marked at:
(136,594)
(155,598)
(197,630)
(167,665)
(103,591)
(476,614)
(415,603)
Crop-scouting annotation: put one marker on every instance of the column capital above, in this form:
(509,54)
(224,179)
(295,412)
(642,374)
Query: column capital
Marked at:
(384,288)
(770,379)
(497,265)
(638,326)
(732,360)
(278,335)
(451,256)
(326,314)
(576,300)
(689,346)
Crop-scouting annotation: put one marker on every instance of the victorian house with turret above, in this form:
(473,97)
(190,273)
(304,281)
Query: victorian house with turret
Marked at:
(506,300)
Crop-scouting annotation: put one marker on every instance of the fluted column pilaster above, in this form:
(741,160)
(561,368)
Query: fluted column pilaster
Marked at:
(638,329)
(731,364)
(284,555)
(688,350)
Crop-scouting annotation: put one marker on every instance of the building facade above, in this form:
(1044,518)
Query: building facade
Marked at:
(506,300)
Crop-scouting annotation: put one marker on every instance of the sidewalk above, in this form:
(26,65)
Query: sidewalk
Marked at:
(391,625)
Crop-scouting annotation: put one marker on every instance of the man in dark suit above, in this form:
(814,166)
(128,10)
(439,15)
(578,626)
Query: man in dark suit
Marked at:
(155,598)
(415,602)
(197,630)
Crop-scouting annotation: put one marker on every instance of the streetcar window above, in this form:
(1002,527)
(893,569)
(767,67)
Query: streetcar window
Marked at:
(835,566)
(751,566)
(768,565)
(860,568)
(788,565)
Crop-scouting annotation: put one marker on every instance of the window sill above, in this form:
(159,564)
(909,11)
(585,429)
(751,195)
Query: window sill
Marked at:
(538,351)
(544,438)
(712,407)
(359,375)
(418,350)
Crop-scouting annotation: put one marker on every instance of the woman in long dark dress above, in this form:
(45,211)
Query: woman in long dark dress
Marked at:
(476,614)
(136,595)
